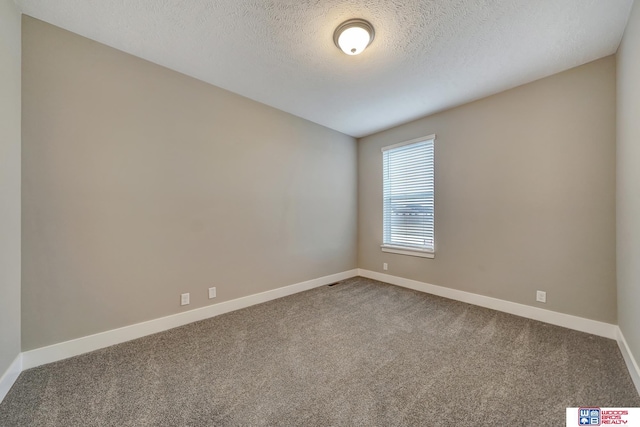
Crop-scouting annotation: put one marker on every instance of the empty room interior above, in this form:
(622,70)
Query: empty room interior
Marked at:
(264,212)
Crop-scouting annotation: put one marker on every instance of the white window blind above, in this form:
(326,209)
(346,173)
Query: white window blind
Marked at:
(408,192)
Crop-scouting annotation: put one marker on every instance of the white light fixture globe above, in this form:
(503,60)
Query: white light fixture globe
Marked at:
(353,36)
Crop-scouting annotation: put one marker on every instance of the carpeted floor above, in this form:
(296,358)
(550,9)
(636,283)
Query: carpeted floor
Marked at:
(361,353)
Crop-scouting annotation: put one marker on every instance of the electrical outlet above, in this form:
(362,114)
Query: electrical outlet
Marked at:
(385,266)
(212,293)
(184,299)
(541,296)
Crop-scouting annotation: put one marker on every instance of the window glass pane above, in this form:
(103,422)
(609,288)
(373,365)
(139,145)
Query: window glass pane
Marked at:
(408,192)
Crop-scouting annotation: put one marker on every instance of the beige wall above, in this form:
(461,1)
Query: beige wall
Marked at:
(9,183)
(628,183)
(140,183)
(525,195)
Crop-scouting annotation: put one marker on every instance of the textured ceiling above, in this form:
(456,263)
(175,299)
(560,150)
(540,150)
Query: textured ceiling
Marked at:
(428,55)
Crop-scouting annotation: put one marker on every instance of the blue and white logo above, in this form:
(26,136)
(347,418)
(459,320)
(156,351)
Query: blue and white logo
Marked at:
(589,416)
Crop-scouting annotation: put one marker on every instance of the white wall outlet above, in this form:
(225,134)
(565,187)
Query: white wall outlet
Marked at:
(541,296)
(184,299)
(212,293)
(385,266)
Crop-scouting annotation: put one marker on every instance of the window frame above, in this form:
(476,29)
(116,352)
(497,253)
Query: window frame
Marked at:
(400,249)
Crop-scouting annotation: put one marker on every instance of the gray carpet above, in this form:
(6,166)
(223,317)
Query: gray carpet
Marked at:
(361,353)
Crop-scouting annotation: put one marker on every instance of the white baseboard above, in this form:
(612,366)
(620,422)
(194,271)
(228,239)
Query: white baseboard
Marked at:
(64,350)
(594,327)
(10,376)
(632,365)
(53,353)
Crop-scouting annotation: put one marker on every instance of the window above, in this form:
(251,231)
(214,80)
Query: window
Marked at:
(408,192)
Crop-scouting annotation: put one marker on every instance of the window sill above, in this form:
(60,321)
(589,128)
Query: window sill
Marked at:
(407,251)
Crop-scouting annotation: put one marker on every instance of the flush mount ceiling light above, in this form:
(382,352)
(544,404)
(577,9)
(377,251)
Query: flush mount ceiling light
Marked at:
(353,36)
